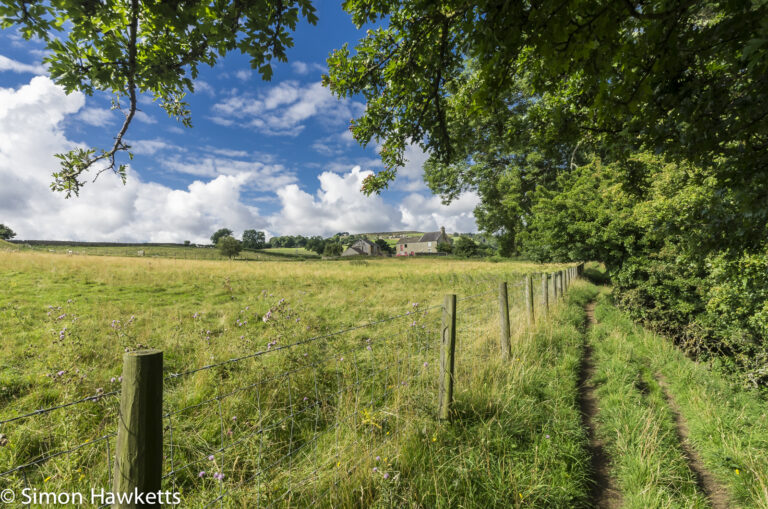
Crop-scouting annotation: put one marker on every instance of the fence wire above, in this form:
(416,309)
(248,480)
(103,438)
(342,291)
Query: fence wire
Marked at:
(298,424)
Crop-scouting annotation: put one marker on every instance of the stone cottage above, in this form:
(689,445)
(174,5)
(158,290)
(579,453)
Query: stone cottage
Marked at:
(362,247)
(427,243)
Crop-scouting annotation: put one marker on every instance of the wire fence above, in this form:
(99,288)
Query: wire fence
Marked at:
(313,421)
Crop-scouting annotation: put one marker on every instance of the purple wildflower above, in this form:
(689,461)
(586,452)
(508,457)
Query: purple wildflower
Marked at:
(375,469)
(426,364)
(386,475)
(211,457)
(201,474)
(378,458)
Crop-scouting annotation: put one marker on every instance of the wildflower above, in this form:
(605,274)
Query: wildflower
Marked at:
(342,359)
(196,315)
(60,373)
(737,471)
(201,474)
(242,337)
(3,440)
(120,378)
(413,324)
(211,457)
(305,398)
(386,475)
(375,469)
(378,458)
(547,436)
(99,391)
(218,476)
(113,379)
(426,364)
(234,417)
(368,347)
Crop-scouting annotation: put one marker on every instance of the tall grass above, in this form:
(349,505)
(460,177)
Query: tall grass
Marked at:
(293,426)
(727,425)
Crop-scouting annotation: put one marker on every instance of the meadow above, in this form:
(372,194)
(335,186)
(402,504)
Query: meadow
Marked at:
(315,383)
(176,252)
(282,425)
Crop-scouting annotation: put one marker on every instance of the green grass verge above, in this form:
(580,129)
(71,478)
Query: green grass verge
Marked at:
(517,439)
(727,425)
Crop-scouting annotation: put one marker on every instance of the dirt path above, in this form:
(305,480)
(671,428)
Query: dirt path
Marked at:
(716,494)
(604,494)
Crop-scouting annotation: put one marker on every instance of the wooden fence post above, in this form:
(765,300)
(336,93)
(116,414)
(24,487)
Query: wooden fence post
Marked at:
(529,298)
(504,323)
(544,294)
(447,351)
(139,446)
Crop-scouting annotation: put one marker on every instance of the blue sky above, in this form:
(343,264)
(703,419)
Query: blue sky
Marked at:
(275,156)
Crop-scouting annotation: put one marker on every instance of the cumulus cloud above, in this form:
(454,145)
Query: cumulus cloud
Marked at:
(31,132)
(7,64)
(337,206)
(340,206)
(99,117)
(284,108)
(427,213)
(411,176)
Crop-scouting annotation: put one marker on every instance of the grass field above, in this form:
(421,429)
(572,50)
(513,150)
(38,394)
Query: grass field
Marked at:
(303,416)
(65,322)
(174,252)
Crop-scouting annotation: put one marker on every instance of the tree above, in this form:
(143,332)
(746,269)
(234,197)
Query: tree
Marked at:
(187,242)
(316,244)
(385,247)
(131,47)
(229,246)
(464,246)
(253,239)
(223,232)
(333,249)
(444,247)
(6,232)
(685,78)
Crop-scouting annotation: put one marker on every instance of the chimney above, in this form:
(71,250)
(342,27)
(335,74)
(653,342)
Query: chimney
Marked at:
(442,230)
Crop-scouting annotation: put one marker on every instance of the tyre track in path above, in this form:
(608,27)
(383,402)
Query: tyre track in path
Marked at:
(604,494)
(705,481)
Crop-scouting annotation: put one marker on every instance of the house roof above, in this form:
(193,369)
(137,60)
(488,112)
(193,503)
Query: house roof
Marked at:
(405,240)
(358,251)
(430,237)
(365,241)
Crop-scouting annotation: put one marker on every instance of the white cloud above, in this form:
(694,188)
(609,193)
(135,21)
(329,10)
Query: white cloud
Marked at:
(151,147)
(204,87)
(303,68)
(31,132)
(284,109)
(334,144)
(143,117)
(427,213)
(339,205)
(243,75)
(258,175)
(7,64)
(99,117)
